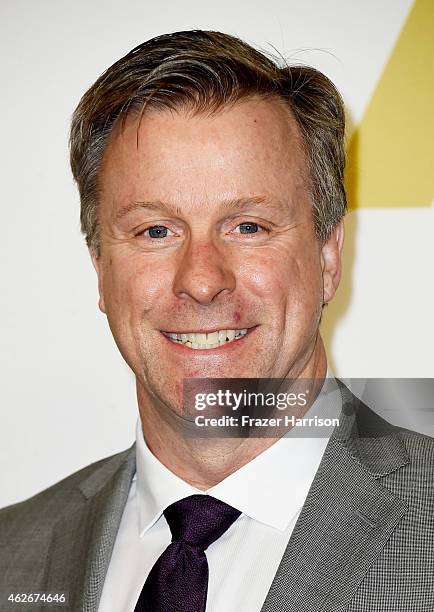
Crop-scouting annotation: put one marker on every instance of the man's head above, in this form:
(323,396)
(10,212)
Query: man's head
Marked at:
(211,183)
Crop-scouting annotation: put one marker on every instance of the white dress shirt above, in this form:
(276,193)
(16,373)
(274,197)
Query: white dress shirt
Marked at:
(270,491)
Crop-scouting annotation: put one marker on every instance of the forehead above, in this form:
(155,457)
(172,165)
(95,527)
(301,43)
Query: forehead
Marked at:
(251,148)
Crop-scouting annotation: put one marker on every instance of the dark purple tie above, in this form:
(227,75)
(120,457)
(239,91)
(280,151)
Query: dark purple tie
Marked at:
(178,582)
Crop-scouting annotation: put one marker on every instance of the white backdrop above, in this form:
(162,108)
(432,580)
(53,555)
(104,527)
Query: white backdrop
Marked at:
(66,396)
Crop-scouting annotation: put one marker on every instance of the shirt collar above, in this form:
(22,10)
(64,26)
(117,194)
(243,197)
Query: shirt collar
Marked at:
(270,488)
(157,486)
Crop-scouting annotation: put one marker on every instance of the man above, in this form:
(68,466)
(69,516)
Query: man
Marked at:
(212,198)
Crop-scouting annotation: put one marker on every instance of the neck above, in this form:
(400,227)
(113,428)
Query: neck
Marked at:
(205,462)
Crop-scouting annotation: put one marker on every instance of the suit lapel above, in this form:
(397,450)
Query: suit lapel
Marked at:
(347,518)
(83,537)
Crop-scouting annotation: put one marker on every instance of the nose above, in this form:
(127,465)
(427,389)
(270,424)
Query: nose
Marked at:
(203,273)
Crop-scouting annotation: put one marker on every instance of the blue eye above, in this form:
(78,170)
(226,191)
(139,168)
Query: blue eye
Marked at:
(158,231)
(248,228)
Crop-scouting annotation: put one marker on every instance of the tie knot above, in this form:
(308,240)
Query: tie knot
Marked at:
(199,520)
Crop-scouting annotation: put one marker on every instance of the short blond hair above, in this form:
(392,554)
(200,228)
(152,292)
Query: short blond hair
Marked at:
(205,71)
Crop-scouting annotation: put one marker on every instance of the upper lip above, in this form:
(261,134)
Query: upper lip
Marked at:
(203,331)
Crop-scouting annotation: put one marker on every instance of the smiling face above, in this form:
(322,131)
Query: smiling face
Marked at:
(206,227)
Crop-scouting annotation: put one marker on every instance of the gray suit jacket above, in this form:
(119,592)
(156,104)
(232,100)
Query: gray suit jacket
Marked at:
(363,542)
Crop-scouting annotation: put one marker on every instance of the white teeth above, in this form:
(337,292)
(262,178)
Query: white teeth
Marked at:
(208,341)
(212,338)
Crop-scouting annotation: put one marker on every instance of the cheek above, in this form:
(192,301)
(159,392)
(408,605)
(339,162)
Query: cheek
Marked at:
(134,284)
(283,277)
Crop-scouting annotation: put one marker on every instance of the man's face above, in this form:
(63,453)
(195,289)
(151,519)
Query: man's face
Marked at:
(206,227)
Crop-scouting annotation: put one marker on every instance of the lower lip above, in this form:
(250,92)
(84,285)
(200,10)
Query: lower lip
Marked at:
(224,347)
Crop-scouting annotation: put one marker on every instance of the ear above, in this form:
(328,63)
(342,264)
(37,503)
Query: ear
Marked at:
(331,255)
(96,261)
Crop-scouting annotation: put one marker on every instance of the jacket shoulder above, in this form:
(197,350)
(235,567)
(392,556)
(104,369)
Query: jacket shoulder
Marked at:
(416,443)
(42,509)
(420,449)
(414,481)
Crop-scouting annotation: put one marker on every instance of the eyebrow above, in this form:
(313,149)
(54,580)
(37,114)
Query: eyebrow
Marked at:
(229,205)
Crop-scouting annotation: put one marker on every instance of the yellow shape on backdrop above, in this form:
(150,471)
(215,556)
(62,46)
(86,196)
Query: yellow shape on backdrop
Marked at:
(391,152)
